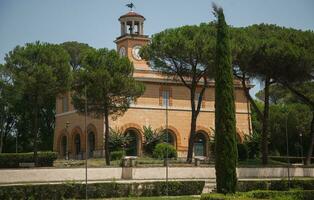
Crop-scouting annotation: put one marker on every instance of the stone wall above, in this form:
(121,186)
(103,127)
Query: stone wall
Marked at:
(11,176)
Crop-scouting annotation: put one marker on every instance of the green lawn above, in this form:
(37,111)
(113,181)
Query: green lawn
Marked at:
(156,198)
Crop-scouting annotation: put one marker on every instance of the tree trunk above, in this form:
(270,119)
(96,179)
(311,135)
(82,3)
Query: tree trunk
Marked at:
(310,150)
(265,129)
(107,154)
(191,138)
(193,125)
(35,135)
(248,95)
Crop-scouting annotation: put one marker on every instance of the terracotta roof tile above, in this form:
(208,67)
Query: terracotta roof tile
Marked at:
(131,14)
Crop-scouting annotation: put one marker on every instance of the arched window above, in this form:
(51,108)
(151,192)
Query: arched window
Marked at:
(77,142)
(200,144)
(133,145)
(91,144)
(168,137)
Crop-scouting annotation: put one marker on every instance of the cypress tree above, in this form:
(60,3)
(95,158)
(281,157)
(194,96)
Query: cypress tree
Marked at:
(225,123)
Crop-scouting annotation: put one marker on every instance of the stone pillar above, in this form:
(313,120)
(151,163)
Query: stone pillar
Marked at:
(132,27)
(142,28)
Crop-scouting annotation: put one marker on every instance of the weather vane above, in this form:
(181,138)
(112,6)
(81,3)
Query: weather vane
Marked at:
(130,5)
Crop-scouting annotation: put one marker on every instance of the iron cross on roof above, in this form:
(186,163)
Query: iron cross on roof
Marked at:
(130,5)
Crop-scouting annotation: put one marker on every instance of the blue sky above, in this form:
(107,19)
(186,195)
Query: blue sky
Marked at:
(95,22)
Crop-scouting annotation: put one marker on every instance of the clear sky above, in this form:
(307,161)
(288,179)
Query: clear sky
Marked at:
(95,22)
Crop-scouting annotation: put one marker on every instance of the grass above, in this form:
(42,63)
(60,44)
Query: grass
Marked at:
(156,198)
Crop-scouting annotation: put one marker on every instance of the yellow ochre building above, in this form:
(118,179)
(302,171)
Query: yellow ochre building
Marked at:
(148,110)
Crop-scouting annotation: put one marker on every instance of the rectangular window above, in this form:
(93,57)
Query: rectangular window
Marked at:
(65,106)
(165,97)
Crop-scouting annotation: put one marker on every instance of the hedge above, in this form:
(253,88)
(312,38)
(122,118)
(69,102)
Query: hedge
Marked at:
(279,185)
(164,150)
(12,160)
(101,190)
(254,195)
(116,155)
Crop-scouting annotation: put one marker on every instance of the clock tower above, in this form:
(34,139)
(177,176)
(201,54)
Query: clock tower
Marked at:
(132,38)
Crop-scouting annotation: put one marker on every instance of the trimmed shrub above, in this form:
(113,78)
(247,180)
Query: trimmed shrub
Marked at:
(12,160)
(163,149)
(101,190)
(243,151)
(116,155)
(277,195)
(279,185)
(244,186)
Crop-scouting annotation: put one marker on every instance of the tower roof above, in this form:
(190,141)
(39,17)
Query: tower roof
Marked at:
(132,14)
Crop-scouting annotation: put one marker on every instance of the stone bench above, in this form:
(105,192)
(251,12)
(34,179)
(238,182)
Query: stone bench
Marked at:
(198,160)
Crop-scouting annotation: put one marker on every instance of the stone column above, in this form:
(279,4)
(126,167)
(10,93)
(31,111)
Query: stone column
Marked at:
(132,27)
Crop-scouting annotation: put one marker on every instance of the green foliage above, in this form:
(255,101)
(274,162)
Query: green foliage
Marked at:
(101,190)
(185,54)
(109,82)
(225,125)
(117,140)
(77,51)
(38,72)
(107,79)
(164,150)
(116,155)
(263,195)
(12,160)
(278,185)
(243,151)
(152,138)
(253,144)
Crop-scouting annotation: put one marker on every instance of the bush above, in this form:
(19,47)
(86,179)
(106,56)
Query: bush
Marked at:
(101,190)
(279,185)
(275,195)
(244,186)
(163,149)
(116,155)
(117,140)
(243,151)
(152,138)
(12,160)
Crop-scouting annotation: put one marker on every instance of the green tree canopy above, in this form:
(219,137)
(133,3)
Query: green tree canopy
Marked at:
(76,51)
(271,54)
(185,54)
(110,87)
(38,72)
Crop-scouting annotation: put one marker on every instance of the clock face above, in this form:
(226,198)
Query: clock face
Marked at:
(136,52)
(122,51)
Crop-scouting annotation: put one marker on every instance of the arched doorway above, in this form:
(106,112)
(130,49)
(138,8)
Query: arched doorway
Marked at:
(91,144)
(201,144)
(168,136)
(77,145)
(133,145)
(64,148)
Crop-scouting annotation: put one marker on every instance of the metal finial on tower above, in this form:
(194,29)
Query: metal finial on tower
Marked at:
(130,5)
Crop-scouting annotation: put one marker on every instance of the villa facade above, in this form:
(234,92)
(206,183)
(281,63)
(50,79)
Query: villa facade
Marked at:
(162,97)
